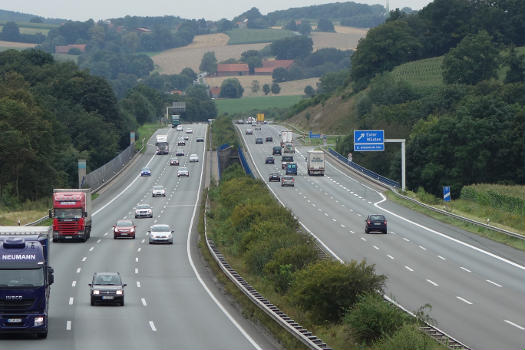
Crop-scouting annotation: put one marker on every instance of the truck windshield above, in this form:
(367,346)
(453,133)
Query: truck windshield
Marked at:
(68,213)
(22,278)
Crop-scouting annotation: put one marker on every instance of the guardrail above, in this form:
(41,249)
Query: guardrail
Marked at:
(294,328)
(244,163)
(394,189)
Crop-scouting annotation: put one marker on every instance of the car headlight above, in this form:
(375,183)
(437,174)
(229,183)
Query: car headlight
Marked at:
(119,292)
(39,321)
(96,292)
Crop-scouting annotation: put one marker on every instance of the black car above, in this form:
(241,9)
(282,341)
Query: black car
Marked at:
(269,139)
(274,177)
(199,139)
(259,140)
(276,150)
(107,287)
(375,223)
(269,160)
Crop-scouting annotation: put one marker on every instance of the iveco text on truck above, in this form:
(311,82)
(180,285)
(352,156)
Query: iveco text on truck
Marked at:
(25,279)
(71,214)
(162,144)
(315,163)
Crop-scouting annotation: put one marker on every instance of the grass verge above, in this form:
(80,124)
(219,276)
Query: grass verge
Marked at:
(481,231)
(249,104)
(144,134)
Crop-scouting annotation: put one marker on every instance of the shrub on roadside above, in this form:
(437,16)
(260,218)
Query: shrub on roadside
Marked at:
(325,290)
(408,337)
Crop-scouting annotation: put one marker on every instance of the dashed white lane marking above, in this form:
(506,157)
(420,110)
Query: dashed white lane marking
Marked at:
(375,247)
(432,283)
(152,325)
(84,258)
(442,258)
(514,324)
(406,239)
(136,270)
(464,300)
(143,301)
(68,325)
(464,269)
(105,234)
(73,284)
(91,249)
(494,283)
(409,268)
(136,259)
(325,214)
(139,249)
(343,226)
(422,247)
(390,256)
(71,299)
(334,220)
(144,240)
(138,284)
(363,239)
(99,240)
(352,232)
(79,269)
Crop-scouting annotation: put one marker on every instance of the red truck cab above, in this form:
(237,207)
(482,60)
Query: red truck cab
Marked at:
(71,214)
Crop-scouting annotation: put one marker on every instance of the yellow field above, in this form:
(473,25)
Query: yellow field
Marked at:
(295,87)
(15,45)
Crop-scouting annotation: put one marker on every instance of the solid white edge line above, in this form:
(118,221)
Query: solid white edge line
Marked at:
(68,325)
(434,231)
(152,326)
(514,324)
(188,251)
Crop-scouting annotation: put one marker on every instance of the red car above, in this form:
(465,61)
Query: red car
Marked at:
(124,228)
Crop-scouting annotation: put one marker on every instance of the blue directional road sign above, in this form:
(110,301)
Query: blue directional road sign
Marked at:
(314,136)
(369,140)
(446,193)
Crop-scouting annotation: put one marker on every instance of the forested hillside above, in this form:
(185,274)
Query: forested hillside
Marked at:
(464,127)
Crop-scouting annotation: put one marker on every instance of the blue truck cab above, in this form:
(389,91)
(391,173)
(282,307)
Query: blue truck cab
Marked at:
(25,279)
(291,169)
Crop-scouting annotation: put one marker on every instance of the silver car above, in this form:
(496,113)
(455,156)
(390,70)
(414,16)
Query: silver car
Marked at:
(158,191)
(160,233)
(194,158)
(143,211)
(183,172)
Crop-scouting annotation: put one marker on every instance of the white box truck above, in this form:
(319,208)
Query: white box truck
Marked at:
(315,163)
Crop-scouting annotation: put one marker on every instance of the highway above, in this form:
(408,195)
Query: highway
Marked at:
(476,287)
(171,301)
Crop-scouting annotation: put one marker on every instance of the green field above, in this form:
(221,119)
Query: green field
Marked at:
(32,28)
(421,73)
(247,104)
(253,36)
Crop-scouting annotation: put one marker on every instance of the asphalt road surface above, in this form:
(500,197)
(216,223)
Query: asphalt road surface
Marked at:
(476,287)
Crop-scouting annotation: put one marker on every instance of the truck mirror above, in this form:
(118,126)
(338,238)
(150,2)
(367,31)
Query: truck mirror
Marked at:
(50,213)
(90,284)
(85,214)
(125,284)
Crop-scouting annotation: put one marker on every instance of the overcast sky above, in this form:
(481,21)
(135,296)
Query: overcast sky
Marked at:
(81,10)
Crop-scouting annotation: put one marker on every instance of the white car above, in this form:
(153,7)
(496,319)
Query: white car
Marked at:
(179,127)
(179,152)
(158,191)
(181,142)
(183,172)
(189,131)
(194,158)
(160,234)
(143,211)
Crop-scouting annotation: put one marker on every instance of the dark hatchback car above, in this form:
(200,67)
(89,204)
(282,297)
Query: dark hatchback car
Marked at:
(375,223)
(274,177)
(269,160)
(276,150)
(107,287)
(259,141)
(269,139)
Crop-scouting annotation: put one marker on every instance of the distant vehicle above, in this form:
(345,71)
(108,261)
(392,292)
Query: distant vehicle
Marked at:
(199,139)
(375,223)
(286,137)
(179,152)
(175,120)
(174,161)
(269,160)
(179,128)
(25,279)
(158,191)
(291,169)
(274,177)
(194,158)
(276,150)
(285,160)
(315,163)
(107,287)
(186,137)
(145,172)
(288,148)
(124,228)
(160,233)
(183,172)
(143,211)
(259,141)
(181,142)
(189,131)
(71,214)
(249,131)
(240,121)
(269,139)
(287,181)
(162,144)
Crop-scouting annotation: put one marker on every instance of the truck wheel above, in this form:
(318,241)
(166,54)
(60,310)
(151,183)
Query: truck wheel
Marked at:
(42,335)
